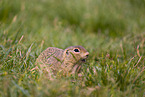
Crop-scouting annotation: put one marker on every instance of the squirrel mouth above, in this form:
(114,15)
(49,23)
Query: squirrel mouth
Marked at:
(83,60)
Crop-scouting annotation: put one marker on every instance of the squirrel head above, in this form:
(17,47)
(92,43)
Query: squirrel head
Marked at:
(75,54)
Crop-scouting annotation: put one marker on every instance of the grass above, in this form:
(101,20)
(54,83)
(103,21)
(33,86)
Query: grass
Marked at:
(112,31)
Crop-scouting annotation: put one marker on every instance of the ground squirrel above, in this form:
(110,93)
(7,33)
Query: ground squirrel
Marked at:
(68,60)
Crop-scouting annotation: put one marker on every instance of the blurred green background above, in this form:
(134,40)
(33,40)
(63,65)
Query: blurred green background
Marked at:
(62,22)
(113,31)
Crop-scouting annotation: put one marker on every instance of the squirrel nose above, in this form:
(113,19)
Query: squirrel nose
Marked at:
(87,54)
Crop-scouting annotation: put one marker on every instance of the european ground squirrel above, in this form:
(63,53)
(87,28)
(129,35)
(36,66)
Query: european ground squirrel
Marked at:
(57,60)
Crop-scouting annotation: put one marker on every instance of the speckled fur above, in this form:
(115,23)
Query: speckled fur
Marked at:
(62,60)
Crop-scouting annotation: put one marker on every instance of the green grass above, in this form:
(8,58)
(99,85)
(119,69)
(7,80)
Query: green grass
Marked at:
(112,31)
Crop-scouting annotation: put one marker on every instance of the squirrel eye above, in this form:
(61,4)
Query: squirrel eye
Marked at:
(76,50)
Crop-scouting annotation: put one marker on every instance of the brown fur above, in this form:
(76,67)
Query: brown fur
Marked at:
(59,60)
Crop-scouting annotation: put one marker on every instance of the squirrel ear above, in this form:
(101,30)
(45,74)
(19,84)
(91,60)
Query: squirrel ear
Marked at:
(67,52)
